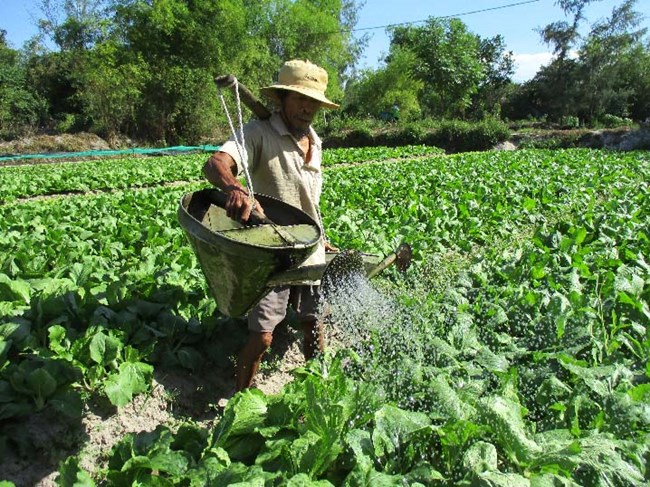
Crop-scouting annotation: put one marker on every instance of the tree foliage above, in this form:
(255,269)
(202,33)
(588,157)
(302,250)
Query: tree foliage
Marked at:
(498,65)
(21,109)
(606,75)
(145,68)
(111,89)
(439,69)
(448,64)
(394,84)
(74,24)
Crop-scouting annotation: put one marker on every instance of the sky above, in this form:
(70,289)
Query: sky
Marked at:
(515,20)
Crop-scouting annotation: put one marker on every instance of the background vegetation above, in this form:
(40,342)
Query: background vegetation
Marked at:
(145,69)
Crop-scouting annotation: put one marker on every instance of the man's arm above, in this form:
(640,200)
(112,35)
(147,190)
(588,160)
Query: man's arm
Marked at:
(221,170)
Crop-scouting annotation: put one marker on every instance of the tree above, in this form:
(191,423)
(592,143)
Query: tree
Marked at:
(75,27)
(20,109)
(562,35)
(320,30)
(638,81)
(391,85)
(602,77)
(557,82)
(185,44)
(176,44)
(607,60)
(148,66)
(75,24)
(110,90)
(448,63)
(498,65)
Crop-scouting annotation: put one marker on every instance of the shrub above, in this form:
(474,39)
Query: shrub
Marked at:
(569,122)
(412,133)
(66,123)
(554,142)
(459,136)
(450,135)
(337,125)
(21,110)
(612,121)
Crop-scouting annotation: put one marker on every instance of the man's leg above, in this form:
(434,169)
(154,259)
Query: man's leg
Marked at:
(313,338)
(250,357)
(262,320)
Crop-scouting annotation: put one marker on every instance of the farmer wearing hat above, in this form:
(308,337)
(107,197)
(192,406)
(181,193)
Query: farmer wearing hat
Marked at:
(284,161)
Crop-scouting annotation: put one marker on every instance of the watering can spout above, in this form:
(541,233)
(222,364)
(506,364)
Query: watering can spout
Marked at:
(368,264)
(401,257)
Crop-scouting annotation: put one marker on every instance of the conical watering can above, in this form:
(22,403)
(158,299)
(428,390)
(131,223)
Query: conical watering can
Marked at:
(243,262)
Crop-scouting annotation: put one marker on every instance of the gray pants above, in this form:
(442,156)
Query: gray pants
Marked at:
(272,308)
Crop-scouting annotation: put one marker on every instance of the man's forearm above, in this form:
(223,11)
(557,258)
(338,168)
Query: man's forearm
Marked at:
(220,170)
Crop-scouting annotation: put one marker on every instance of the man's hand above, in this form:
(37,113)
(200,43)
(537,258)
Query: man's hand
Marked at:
(221,170)
(238,205)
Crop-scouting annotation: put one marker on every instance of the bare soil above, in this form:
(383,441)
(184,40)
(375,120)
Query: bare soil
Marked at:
(41,144)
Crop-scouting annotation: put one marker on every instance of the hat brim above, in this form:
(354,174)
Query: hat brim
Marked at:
(272,93)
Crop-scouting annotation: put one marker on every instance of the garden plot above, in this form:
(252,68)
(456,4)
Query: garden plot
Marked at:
(517,351)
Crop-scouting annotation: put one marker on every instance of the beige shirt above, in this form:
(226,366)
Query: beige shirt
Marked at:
(278,168)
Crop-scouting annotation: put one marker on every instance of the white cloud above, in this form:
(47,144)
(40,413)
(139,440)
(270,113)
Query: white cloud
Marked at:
(527,65)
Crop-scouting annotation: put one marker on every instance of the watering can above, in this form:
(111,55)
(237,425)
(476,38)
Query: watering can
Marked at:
(243,262)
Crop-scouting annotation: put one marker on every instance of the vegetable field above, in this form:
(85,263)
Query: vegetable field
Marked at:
(516,352)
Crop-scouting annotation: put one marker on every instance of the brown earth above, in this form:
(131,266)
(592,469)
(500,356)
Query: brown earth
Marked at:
(40,144)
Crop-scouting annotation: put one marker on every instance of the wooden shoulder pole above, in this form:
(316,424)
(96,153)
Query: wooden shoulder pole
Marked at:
(247,98)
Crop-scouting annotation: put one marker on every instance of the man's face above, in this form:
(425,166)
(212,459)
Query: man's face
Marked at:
(299,111)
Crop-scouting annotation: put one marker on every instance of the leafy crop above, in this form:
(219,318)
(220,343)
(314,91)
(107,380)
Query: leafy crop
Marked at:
(27,181)
(358,155)
(517,352)
(78,177)
(105,361)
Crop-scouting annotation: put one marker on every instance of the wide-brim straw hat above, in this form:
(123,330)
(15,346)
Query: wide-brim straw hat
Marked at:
(302,77)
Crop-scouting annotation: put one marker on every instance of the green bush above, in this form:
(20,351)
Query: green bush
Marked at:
(569,122)
(21,110)
(612,121)
(450,135)
(460,136)
(66,123)
(554,142)
(348,132)
(338,125)
(411,133)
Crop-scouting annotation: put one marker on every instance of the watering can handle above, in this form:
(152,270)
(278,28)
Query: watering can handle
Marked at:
(401,258)
(257,217)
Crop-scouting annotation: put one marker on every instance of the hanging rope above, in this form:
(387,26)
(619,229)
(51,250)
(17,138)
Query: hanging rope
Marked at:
(238,137)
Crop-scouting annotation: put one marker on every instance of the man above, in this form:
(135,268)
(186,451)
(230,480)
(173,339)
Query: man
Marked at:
(284,159)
